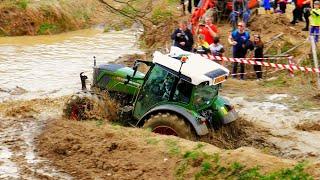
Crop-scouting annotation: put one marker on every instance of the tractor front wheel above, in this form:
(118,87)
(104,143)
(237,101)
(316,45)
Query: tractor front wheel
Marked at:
(85,105)
(170,124)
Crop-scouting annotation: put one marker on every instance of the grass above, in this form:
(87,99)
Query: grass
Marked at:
(152,141)
(23,4)
(286,46)
(100,122)
(280,81)
(160,15)
(206,166)
(173,147)
(46,28)
(173,2)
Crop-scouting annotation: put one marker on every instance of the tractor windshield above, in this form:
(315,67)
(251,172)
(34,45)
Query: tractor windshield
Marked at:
(204,95)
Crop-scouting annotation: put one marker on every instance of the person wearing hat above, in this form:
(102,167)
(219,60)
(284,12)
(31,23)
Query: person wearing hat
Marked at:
(315,21)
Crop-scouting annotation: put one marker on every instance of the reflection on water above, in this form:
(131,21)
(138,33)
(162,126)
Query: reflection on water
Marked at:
(50,65)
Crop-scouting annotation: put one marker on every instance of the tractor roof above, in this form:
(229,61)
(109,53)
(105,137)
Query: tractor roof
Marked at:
(198,68)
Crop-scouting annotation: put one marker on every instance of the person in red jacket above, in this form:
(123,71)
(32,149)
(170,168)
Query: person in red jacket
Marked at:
(302,7)
(208,29)
(297,12)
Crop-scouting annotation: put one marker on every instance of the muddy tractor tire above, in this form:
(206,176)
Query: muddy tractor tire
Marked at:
(170,124)
(85,105)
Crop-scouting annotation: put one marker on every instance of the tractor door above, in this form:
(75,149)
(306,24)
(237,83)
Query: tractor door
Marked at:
(156,89)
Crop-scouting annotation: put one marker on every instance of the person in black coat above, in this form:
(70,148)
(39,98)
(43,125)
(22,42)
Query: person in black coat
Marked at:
(182,37)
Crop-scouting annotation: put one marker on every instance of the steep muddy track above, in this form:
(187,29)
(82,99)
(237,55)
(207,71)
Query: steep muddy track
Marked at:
(21,126)
(18,154)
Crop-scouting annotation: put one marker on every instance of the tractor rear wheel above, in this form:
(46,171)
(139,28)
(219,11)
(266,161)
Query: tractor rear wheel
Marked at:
(85,105)
(170,124)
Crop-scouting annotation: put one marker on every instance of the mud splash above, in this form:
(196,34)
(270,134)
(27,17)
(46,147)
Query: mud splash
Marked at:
(309,126)
(281,121)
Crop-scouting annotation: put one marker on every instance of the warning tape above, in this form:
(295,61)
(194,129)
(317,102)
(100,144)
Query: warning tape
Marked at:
(252,61)
(252,72)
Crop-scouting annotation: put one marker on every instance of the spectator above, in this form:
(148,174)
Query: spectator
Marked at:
(216,48)
(258,53)
(275,6)
(315,21)
(202,45)
(195,4)
(283,6)
(306,13)
(208,29)
(267,6)
(239,9)
(302,7)
(239,39)
(182,37)
(297,12)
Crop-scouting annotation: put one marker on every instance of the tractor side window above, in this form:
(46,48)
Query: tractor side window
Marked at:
(159,84)
(183,91)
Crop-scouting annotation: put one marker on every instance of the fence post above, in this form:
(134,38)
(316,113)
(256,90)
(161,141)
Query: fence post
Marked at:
(315,58)
(290,62)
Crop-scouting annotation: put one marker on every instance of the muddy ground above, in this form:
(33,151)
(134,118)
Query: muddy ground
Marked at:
(38,143)
(279,127)
(270,123)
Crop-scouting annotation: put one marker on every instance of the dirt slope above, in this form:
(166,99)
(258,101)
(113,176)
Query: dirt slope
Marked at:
(90,150)
(48,17)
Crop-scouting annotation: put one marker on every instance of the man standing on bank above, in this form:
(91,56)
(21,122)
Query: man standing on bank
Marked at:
(182,37)
(240,40)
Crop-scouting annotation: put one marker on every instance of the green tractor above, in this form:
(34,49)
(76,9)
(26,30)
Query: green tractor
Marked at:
(177,96)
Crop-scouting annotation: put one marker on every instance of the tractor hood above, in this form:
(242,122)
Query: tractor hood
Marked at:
(120,70)
(198,68)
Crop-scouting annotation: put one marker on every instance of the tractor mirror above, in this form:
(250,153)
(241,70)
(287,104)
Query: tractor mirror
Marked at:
(135,68)
(128,79)
(136,65)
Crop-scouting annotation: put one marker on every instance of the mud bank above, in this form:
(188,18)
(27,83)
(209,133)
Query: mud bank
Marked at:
(95,150)
(48,17)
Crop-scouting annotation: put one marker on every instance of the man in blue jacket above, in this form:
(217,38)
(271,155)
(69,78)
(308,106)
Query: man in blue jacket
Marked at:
(240,40)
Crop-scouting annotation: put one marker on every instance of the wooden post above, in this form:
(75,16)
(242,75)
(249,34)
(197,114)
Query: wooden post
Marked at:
(315,58)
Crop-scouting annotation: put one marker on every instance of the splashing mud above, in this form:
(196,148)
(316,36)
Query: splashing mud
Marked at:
(309,126)
(242,133)
(281,123)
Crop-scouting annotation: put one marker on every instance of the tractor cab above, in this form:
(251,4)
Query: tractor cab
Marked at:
(183,81)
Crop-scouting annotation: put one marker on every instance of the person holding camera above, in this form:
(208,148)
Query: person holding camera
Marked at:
(208,29)
(182,37)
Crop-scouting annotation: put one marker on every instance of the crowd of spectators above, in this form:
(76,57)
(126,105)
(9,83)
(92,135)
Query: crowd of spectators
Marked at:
(207,39)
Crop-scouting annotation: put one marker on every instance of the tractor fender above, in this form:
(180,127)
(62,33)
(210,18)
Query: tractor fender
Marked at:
(201,129)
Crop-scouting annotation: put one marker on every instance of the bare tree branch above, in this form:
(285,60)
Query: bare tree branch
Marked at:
(135,15)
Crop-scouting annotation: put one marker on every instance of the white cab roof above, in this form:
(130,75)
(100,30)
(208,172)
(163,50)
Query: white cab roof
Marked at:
(198,68)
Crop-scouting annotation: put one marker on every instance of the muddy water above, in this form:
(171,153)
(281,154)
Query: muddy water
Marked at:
(48,66)
(281,122)
(40,67)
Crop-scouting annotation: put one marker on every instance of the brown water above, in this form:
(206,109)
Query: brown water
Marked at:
(49,66)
